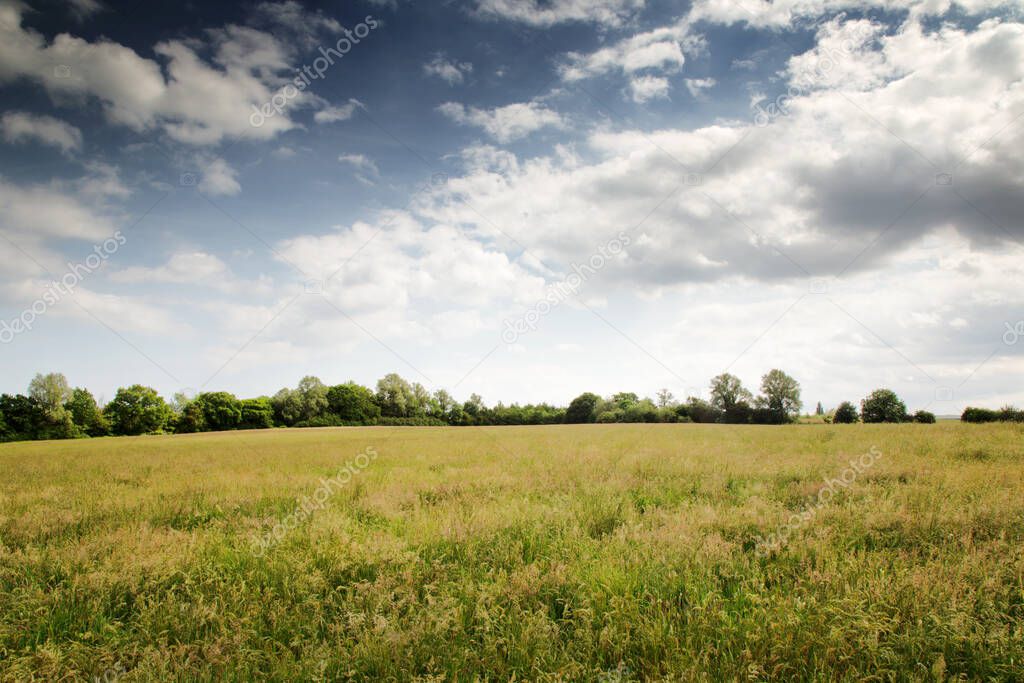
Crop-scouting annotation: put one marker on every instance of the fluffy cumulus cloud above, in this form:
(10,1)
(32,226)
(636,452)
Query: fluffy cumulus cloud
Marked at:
(802,188)
(505,124)
(23,127)
(550,12)
(193,99)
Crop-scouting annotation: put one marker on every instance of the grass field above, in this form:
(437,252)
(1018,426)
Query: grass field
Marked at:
(618,552)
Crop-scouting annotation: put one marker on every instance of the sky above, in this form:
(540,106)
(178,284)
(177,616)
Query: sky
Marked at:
(524,199)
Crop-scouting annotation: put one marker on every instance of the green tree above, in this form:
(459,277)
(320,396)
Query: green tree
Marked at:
(353,403)
(313,397)
(257,413)
(846,413)
(924,417)
(582,409)
(222,411)
(819,410)
(730,397)
(395,396)
(666,399)
(883,405)
(780,396)
(86,414)
(25,418)
(137,410)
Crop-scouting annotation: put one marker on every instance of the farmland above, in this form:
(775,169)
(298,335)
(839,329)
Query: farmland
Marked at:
(589,552)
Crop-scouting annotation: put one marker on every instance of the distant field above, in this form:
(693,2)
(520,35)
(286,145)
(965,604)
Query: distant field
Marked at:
(618,552)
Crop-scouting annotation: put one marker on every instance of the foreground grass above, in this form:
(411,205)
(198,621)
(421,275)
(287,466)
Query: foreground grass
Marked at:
(613,552)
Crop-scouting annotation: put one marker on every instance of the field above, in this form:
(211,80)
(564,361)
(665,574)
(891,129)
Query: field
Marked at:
(612,553)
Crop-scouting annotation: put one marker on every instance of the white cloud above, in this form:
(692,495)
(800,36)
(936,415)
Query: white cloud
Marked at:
(194,268)
(646,88)
(22,127)
(365,168)
(193,100)
(662,50)
(808,192)
(697,86)
(549,12)
(218,177)
(452,72)
(505,124)
(331,114)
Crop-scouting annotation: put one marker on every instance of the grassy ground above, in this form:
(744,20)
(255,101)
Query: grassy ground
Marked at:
(615,552)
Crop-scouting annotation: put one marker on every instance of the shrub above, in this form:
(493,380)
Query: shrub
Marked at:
(924,417)
(846,413)
(979,415)
(883,405)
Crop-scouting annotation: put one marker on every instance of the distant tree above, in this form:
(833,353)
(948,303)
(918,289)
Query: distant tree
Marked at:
(313,397)
(24,417)
(353,403)
(582,409)
(624,400)
(924,417)
(420,404)
(780,396)
(287,407)
(222,411)
(442,404)
(51,392)
(883,405)
(979,415)
(189,417)
(846,413)
(257,413)
(730,397)
(474,409)
(665,398)
(698,410)
(137,410)
(395,396)
(86,414)
(819,410)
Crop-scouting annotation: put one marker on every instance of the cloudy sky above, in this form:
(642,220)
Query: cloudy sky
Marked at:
(525,199)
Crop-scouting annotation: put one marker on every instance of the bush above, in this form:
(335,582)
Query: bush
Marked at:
(924,417)
(883,405)
(582,409)
(979,415)
(1004,414)
(846,413)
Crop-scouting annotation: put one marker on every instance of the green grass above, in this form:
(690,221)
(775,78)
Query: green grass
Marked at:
(618,552)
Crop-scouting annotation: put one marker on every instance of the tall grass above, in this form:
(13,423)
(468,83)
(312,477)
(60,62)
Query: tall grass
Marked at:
(611,552)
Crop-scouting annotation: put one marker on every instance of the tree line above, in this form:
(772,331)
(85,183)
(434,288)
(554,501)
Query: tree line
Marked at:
(52,409)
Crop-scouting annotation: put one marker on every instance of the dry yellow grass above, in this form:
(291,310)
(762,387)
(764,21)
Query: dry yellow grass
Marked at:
(541,553)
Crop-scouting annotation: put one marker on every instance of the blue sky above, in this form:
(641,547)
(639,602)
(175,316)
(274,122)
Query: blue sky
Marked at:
(832,187)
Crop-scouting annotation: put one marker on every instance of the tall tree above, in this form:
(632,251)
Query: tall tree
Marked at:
(137,410)
(729,396)
(582,409)
(781,396)
(85,414)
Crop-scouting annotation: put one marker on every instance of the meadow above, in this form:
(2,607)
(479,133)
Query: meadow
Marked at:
(591,552)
